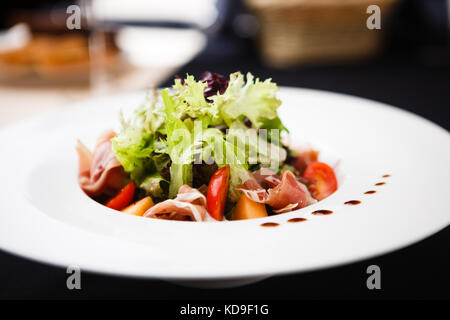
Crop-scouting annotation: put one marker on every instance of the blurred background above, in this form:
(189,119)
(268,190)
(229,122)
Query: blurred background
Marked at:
(136,44)
(321,44)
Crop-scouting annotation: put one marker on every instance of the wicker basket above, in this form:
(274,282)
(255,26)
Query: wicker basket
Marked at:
(304,31)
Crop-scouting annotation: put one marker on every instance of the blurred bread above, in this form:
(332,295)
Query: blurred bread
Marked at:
(52,56)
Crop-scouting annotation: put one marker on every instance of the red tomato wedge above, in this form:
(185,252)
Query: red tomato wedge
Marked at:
(321,178)
(123,198)
(217,192)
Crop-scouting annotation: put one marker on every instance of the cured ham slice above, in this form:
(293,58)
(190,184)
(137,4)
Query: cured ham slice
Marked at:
(192,195)
(84,161)
(190,204)
(100,172)
(266,178)
(289,194)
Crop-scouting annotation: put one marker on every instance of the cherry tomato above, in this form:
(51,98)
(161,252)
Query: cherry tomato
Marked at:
(321,178)
(216,196)
(123,198)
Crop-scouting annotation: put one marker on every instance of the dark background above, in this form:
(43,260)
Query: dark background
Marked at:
(413,73)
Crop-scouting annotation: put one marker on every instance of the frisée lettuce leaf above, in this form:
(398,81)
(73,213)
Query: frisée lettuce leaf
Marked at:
(136,146)
(249,98)
(189,94)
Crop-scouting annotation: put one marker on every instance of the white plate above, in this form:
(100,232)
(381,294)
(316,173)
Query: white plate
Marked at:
(45,216)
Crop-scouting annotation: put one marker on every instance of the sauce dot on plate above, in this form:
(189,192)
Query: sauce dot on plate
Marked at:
(322,212)
(352,202)
(270,224)
(386,176)
(297,220)
(380,183)
(370,192)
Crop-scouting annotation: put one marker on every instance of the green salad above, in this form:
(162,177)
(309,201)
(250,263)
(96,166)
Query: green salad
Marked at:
(206,148)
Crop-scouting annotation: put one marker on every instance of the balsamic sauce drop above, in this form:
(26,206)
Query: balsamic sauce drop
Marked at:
(370,192)
(322,212)
(270,224)
(297,220)
(352,202)
(380,183)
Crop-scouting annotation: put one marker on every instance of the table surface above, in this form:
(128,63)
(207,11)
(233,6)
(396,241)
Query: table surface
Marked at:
(419,271)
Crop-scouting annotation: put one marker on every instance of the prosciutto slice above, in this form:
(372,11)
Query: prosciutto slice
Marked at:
(100,172)
(266,178)
(190,204)
(289,194)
